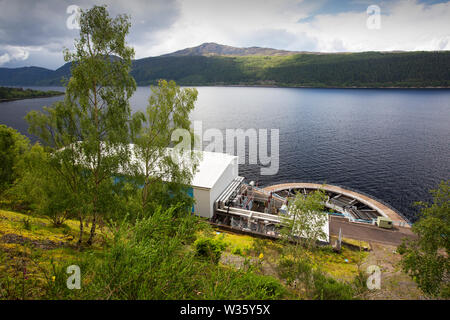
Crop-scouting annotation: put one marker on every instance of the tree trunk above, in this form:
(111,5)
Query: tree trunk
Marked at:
(99,155)
(80,240)
(145,194)
(92,234)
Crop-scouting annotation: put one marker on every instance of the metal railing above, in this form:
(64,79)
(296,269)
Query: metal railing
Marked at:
(357,191)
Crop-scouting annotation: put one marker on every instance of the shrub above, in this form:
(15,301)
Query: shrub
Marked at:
(360,282)
(42,188)
(144,262)
(271,287)
(326,288)
(259,245)
(445,292)
(292,270)
(225,283)
(237,251)
(26,223)
(316,284)
(12,147)
(209,248)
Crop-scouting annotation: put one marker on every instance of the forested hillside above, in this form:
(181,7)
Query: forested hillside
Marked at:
(371,69)
(19,93)
(367,69)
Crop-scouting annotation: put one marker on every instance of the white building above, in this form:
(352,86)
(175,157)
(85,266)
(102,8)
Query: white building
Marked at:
(215,172)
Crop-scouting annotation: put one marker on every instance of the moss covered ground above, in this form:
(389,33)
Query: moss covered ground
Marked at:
(30,246)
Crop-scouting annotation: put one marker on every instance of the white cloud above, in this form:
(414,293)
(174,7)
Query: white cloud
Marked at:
(405,25)
(35,32)
(13,53)
(4,58)
(234,22)
(41,26)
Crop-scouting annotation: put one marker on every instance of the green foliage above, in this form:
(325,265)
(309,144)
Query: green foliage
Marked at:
(89,130)
(27,223)
(20,93)
(209,248)
(165,122)
(230,284)
(85,171)
(295,270)
(360,283)
(41,184)
(237,251)
(326,288)
(258,245)
(305,271)
(152,259)
(306,218)
(99,90)
(366,69)
(445,291)
(12,146)
(146,260)
(300,274)
(19,287)
(427,258)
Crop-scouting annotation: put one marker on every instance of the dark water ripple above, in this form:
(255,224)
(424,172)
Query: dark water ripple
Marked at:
(392,144)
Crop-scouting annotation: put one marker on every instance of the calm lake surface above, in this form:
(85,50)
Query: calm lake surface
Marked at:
(393,144)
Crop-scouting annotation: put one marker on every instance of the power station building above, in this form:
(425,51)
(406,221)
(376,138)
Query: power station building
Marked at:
(215,173)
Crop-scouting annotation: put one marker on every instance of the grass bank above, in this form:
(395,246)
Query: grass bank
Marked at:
(151,261)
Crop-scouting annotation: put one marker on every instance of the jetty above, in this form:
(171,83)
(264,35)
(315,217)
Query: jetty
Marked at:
(355,205)
(227,200)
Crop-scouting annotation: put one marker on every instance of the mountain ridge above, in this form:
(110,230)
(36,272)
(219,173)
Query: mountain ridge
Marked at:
(215,64)
(212,49)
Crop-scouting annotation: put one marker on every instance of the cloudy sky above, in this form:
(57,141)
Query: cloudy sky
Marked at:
(35,32)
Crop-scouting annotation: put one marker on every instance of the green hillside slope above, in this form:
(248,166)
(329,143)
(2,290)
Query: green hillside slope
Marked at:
(370,69)
(367,69)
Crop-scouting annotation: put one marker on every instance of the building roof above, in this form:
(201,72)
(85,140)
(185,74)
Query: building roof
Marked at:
(210,168)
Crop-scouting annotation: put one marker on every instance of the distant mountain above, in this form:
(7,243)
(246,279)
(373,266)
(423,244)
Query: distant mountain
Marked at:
(214,64)
(26,76)
(214,49)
